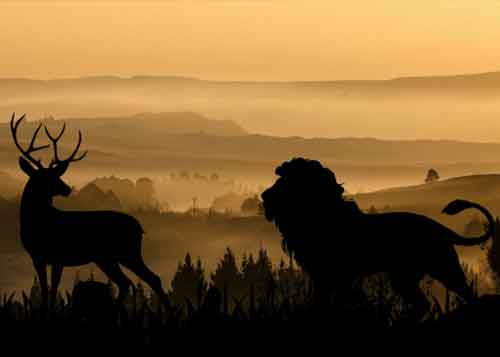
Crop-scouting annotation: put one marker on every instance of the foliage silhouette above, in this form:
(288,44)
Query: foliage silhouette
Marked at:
(92,302)
(188,282)
(88,312)
(494,256)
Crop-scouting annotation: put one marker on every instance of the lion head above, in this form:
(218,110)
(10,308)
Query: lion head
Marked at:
(304,190)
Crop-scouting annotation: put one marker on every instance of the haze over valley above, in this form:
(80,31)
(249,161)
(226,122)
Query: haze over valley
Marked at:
(461,107)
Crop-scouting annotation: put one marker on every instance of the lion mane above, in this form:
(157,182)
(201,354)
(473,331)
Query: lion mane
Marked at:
(335,242)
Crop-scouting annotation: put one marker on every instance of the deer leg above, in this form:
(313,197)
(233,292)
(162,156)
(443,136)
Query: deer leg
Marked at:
(41,270)
(113,271)
(138,267)
(55,279)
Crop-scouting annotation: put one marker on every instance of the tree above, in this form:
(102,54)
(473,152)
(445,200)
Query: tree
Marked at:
(290,280)
(249,273)
(227,278)
(265,276)
(372,210)
(214,177)
(432,176)
(251,206)
(258,278)
(184,175)
(146,193)
(188,282)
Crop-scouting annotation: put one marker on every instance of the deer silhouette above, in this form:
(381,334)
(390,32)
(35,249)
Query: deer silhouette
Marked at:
(73,238)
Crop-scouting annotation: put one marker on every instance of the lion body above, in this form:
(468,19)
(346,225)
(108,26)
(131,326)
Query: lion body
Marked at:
(335,242)
(374,243)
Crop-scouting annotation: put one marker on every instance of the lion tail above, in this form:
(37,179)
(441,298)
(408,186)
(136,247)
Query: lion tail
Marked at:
(458,206)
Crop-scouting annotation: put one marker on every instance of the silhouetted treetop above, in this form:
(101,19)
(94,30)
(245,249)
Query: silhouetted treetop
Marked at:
(251,206)
(432,176)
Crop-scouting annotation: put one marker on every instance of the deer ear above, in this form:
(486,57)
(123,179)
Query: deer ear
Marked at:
(27,168)
(60,169)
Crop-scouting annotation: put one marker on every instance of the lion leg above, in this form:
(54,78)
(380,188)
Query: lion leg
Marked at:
(345,291)
(322,293)
(331,292)
(407,286)
(454,279)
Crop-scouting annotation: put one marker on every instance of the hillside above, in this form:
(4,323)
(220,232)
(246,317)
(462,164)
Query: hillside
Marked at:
(160,124)
(446,107)
(192,135)
(429,199)
(480,188)
(156,144)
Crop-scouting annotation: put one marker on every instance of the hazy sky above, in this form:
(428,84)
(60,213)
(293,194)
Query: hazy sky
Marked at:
(249,40)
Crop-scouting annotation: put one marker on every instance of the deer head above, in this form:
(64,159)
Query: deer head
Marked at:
(45,180)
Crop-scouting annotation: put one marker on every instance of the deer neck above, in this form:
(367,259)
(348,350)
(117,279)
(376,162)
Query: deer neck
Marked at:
(35,205)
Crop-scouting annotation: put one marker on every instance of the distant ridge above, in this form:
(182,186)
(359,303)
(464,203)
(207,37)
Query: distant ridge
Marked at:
(102,78)
(481,75)
(171,123)
(491,75)
(153,86)
(187,134)
(463,106)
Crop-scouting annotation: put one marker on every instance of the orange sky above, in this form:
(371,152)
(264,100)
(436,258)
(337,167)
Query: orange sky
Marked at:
(249,40)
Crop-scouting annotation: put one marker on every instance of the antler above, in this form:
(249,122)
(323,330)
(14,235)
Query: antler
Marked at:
(72,158)
(14,125)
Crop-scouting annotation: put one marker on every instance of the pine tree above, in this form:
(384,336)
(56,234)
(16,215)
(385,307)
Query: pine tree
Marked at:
(189,282)
(227,278)
(249,274)
(249,269)
(291,282)
(257,276)
(201,283)
(266,283)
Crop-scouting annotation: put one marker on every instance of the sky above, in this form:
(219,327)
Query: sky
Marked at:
(249,40)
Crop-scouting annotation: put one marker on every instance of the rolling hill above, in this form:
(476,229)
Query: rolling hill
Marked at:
(156,143)
(429,199)
(436,107)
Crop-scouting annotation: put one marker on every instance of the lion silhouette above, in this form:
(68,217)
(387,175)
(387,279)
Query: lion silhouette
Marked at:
(336,243)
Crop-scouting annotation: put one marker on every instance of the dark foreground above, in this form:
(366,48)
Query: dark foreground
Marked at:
(96,323)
